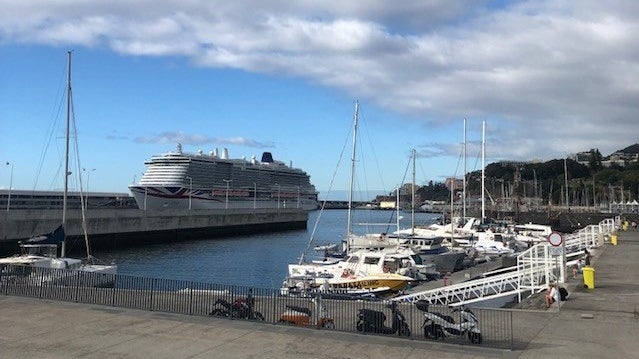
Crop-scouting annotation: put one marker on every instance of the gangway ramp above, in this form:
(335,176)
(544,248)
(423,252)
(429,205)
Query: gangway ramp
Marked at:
(476,290)
(535,269)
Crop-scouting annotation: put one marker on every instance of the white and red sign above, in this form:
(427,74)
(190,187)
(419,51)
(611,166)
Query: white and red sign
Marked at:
(555,239)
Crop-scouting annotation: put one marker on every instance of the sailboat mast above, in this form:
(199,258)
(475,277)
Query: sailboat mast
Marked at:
(464,180)
(483,171)
(352,181)
(66,152)
(412,216)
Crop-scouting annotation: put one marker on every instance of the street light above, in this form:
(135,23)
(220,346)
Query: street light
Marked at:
(10,185)
(86,200)
(226,206)
(190,189)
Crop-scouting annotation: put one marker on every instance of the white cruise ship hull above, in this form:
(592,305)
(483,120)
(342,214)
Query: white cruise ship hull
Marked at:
(178,198)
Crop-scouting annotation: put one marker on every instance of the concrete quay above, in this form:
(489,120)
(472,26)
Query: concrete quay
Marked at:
(117,228)
(593,323)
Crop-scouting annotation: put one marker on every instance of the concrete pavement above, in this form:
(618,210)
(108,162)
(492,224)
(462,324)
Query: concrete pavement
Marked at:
(598,323)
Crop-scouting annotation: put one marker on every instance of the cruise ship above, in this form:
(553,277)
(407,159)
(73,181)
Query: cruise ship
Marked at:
(211,181)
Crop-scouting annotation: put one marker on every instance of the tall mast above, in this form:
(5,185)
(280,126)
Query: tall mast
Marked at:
(464,180)
(412,216)
(483,171)
(566,181)
(66,152)
(350,191)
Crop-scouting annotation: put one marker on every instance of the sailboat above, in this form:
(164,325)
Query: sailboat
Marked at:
(360,273)
(42,251)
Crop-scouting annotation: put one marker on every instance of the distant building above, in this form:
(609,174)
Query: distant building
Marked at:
(583,158)
(452,182)
(24,199)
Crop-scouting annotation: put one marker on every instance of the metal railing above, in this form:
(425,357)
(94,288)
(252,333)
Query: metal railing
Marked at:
(257,304)
(536,268)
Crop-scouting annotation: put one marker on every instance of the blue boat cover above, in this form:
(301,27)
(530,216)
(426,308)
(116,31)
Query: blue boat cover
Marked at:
(55,237)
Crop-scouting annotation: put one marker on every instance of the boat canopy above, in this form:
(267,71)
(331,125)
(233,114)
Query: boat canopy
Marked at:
(55,237)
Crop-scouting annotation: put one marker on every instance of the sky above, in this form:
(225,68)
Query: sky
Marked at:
(549,79)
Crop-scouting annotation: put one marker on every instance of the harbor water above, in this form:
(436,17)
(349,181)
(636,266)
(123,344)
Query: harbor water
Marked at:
(259,260)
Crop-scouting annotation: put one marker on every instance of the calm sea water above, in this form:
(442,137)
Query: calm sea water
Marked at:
(258,260)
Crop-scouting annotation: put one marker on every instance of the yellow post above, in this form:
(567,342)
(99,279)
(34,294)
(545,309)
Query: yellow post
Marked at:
(589,277)
(613,239)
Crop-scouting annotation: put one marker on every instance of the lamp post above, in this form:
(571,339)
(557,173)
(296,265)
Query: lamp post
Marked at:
(10,185)
(228,182)
(190,189)
(86,198)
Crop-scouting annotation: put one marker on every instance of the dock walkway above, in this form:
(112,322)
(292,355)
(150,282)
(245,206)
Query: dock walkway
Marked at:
(598,323)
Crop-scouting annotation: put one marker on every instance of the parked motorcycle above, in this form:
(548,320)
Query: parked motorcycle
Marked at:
(372,321)
(241,308)
(440,326)
(302,316)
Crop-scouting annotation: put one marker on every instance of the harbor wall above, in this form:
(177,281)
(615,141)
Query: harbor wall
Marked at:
(117,228)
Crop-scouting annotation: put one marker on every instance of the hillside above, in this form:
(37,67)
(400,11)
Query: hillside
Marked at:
(587,184)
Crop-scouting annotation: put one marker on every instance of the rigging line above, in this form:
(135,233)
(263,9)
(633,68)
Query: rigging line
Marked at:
(52,125)
(375,157)
(330,187)
(79,178)
(361,172)
(391,220)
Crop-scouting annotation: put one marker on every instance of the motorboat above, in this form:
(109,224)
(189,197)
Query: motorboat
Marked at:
(360,270)
(431,249)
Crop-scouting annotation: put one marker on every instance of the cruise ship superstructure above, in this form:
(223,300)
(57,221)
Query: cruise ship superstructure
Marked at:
(212,181)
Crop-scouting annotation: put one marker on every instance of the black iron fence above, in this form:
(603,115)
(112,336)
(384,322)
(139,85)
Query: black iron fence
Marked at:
(477,326)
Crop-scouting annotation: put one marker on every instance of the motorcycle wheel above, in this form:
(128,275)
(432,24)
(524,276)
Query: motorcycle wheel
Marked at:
(328,325)
(432,331)
(474,338)
(258,316)
(404,330)
(219,313)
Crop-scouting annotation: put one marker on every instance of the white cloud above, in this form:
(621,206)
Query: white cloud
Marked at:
(551,77)
(197,139)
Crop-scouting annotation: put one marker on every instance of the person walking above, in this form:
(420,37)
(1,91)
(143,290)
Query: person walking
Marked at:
(551,295)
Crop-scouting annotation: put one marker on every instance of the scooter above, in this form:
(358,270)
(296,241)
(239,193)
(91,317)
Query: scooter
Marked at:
(302,316)
(241,309)
(372,321)
(440,326)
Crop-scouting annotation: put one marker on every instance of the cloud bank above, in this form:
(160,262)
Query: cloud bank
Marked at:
(550,77)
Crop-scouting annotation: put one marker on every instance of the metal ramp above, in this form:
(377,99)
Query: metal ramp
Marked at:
(535,269)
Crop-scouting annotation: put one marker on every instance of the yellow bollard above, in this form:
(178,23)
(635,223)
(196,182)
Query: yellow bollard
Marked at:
(613,239)
(589,277)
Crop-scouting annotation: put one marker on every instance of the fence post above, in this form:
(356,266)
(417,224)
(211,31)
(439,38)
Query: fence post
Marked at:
(152,288)
(512,339)
(77,285)
(115,281)
(1,281)
(191,298)
(41,283)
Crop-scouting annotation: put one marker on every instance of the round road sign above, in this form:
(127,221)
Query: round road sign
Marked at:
(555,239)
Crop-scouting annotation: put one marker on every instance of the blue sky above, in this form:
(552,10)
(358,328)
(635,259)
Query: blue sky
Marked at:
(549,78)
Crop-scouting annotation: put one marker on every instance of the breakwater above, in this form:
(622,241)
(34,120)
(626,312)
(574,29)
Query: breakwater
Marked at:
(117,228)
